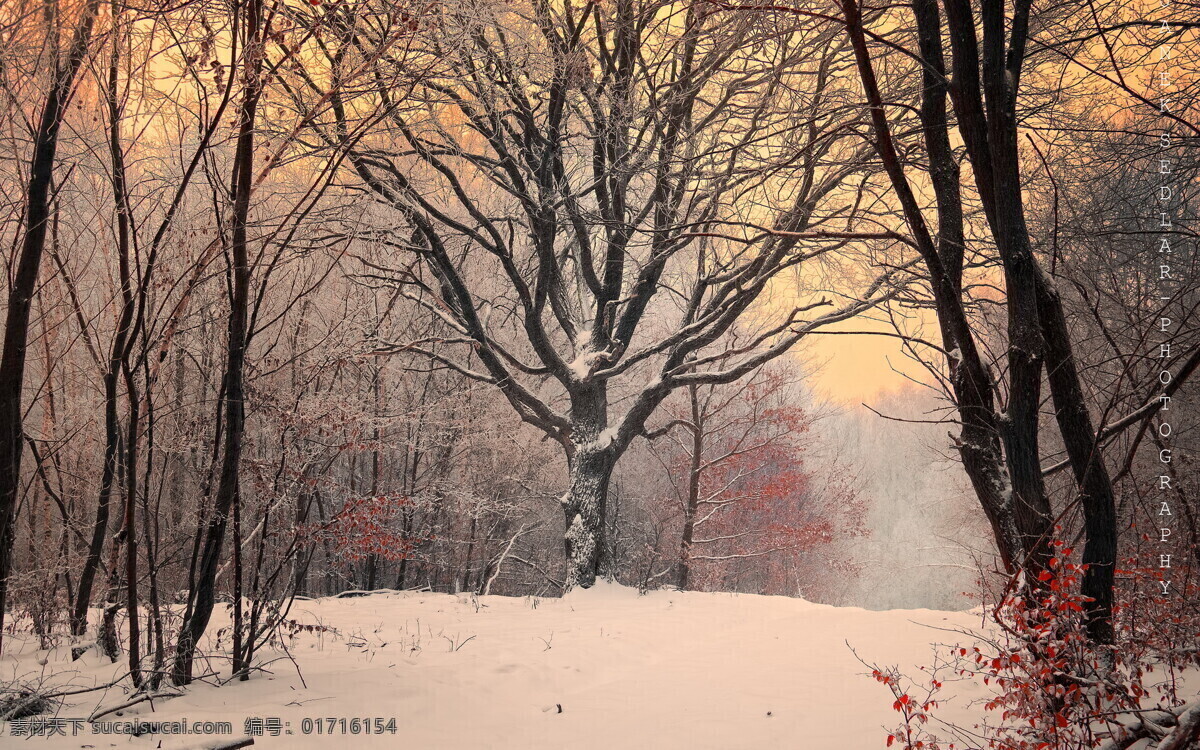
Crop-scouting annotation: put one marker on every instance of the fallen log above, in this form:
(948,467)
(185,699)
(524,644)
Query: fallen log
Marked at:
(1185,734)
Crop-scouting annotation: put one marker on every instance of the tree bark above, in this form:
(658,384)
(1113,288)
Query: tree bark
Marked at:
(20,294)
(1087,464)
(119,360)
(590,464)
(980,443)
(692,501)
(583,508)
(203,594)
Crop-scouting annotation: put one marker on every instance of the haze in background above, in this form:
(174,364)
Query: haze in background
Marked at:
(926,531)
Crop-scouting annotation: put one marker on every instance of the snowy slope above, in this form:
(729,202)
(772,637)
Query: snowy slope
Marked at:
(664,670)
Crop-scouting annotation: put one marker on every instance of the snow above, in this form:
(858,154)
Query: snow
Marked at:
(582,366)
(662,670)
(586,358)
(603,441)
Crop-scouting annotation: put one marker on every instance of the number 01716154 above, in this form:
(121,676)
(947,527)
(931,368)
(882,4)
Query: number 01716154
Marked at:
(343,725)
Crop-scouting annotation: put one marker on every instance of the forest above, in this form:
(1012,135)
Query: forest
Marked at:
(316,300)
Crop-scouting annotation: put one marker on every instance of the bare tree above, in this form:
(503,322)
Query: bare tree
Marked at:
(1000,448)
(594,203)
(749,500)
(63,77)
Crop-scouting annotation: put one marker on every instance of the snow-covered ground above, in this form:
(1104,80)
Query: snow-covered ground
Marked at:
(663,670)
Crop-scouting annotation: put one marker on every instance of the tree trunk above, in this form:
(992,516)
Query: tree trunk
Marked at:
(203,595)
(119,359)
(1087,464)
(986,108)
(304,553)
(590,461)
(1026,350)
(684,574)
(131,567)
(583,508)
(91,563)
(980,444)
(107,637)
(239,665)
(376,462)
(20,294)
(692,502)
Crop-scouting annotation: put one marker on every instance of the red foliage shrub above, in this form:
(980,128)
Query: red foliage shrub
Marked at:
(1050,688)
(362,528)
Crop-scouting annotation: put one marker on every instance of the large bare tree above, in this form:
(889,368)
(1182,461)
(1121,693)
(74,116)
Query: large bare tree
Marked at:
(598,193)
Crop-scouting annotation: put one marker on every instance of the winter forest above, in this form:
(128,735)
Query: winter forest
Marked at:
(600,373)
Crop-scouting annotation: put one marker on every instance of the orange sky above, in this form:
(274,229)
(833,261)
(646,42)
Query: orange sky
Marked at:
(856,369)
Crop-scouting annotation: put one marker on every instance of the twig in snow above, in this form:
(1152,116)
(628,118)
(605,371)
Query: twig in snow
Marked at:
(139,698)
